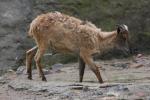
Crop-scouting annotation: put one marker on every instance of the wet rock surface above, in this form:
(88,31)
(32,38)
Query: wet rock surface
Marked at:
(124,83)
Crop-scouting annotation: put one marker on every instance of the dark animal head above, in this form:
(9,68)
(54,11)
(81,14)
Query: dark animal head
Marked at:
(122,39)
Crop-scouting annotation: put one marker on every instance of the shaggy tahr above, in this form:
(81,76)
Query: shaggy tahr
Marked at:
(66,34)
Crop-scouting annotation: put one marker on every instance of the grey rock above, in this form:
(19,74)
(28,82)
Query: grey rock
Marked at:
(57,67)
(120,65)
(14,15)
(98,92)
(46,71)
(85,88)
(21,70)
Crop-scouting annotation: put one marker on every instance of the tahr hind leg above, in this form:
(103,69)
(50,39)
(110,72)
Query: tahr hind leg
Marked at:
(29,56)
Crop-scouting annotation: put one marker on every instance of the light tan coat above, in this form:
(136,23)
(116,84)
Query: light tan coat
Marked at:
(66,34)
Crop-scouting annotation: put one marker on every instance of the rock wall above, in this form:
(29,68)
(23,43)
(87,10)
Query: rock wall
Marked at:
(14,16)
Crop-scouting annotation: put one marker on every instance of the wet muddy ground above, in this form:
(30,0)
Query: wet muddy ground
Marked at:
(127,79)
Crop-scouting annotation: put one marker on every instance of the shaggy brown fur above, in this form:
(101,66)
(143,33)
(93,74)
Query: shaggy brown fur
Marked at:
(66,34)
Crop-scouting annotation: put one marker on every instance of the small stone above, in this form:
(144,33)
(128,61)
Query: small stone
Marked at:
(85,88)
(10,70)
(3,80)
(139,55)
(38,93)
(140,94)
(113,93)
(109,98)
(120,65)
(136,65)
(20,70)
(56,67)
(98,92)
(46,71)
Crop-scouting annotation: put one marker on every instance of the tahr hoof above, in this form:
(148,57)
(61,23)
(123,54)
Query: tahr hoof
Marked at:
(101,81)
(44,79)
(30,77)
(80,80)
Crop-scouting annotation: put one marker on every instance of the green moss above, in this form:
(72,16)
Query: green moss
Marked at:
(147,34)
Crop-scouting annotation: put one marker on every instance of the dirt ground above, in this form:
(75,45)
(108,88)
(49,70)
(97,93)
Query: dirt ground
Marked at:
(127,79)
